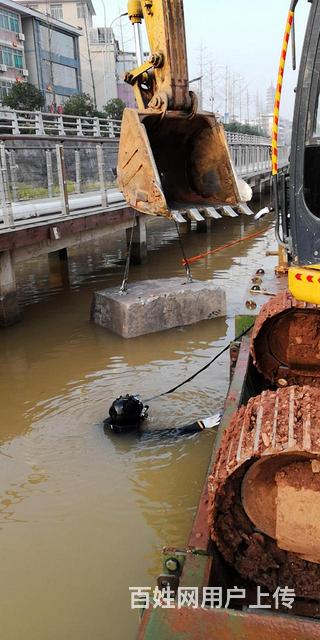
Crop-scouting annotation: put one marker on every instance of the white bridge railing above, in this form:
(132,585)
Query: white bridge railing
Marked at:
(37,123)
(252,154)
(80,172)
(249,152)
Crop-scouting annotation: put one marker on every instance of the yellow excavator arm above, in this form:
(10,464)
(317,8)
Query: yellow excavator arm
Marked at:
(166,70)
(171,157)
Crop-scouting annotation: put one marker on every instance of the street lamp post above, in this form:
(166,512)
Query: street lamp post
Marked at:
(106,40)
(138,43)
(105,45)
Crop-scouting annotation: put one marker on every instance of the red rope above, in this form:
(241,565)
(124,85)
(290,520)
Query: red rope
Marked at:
(226,246)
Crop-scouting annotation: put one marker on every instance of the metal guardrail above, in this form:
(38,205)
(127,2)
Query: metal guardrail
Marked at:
(58,178)
(252,154)
(250,159)
(234,137)
(55,179)
(37,123)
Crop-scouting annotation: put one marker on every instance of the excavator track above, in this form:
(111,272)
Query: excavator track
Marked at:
(264,510)
(285,342)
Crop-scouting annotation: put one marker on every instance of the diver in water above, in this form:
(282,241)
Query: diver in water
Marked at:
(127,413)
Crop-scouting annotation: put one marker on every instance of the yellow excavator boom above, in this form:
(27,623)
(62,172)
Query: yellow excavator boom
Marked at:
(170,156)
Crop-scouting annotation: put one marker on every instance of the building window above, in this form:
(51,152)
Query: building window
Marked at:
(11,57)
(59,75)
(56,42)
(9,21)
(5,87)
(81,11)
(101,36)
(56,11)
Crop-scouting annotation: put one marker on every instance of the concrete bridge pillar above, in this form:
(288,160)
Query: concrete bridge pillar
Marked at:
(139,241)
(9,309)
(59,268)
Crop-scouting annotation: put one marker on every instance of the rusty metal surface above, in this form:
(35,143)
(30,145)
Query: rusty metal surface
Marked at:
(174,163)
(222,624)
(276,428)
(286,341)
(199,568)
(200,536)
(138,176)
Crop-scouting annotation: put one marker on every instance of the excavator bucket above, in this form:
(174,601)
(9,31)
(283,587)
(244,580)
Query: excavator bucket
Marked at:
(174,162)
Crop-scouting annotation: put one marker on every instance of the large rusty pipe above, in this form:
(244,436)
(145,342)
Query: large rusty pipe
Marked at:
(264,491)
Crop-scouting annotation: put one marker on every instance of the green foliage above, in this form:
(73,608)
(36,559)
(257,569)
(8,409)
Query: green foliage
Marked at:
(114,109)
(80,104)
(28,192)
(24,96)
(237,127)
(99,114)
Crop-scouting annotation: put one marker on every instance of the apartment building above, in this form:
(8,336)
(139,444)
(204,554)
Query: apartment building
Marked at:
(109,65)
(40,49)
(12,55)
(79,15)
(103,64)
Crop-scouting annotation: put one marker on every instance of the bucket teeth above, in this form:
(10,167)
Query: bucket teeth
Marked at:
(177,216)
(211,212)
(228,211)
(243,208)
(194,214)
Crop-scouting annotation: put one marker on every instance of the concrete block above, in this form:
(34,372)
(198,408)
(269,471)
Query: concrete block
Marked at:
(155,305)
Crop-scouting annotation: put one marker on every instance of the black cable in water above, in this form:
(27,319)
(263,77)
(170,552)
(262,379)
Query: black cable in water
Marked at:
(206,366)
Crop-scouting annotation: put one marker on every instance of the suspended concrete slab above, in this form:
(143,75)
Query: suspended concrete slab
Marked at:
(156,305)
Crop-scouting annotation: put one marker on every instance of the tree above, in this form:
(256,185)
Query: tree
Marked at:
(238,127)
(80,104)
(24,96)
(114,108)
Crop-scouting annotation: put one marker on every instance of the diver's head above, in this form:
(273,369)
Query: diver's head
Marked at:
(126,414)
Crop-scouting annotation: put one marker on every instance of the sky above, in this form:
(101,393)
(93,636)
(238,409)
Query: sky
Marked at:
(246,36)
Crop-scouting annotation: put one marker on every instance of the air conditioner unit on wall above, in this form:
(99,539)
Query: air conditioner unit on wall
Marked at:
(3,67)
(25,72)
(21,37)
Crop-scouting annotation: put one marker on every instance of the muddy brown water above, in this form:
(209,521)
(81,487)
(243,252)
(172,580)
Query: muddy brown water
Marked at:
(83,516)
